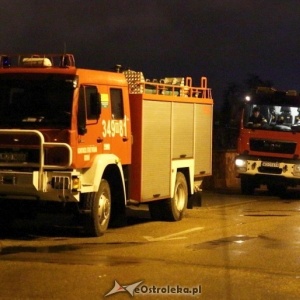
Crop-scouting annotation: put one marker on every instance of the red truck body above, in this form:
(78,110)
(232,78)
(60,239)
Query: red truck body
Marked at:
(98,140)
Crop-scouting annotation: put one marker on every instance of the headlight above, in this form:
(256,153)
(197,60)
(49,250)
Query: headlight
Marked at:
(241,164)
(297,170)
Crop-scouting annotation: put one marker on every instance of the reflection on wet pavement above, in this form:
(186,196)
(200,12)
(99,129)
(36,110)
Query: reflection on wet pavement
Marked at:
(237,239)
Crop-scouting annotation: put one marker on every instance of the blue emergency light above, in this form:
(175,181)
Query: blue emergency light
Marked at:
(5,61)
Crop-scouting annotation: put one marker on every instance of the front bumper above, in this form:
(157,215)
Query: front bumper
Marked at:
(250,165)
(47,186)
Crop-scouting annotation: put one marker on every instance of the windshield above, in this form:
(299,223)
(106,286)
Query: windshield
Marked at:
(271,117)
(35,100)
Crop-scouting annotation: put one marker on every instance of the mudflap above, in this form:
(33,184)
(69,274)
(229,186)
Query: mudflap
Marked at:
(195,200)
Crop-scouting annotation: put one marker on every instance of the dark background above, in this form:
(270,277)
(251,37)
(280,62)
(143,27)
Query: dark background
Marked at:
(222,39)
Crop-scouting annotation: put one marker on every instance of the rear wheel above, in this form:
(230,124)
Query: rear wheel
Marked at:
(99,205)
(172,209)
(177,205)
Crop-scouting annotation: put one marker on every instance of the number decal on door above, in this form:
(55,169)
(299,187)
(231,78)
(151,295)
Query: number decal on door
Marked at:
(112,128)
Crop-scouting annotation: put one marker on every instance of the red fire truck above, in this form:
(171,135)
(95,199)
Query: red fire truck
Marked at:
(96,141)
(269,149)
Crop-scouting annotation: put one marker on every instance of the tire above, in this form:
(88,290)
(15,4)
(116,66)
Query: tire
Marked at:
(247,185)
(176,206)
(171,209)
(99,204)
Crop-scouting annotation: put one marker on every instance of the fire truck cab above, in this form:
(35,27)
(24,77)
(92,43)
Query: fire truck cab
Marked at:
(269,150)
(96,141)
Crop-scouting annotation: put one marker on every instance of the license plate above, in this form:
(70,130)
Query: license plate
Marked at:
(270,164)
(13,157)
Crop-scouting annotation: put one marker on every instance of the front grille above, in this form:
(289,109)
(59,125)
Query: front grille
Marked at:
(263,145)
(270,170)
(27,149)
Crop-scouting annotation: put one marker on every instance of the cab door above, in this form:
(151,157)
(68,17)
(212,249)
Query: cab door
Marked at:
(89,141)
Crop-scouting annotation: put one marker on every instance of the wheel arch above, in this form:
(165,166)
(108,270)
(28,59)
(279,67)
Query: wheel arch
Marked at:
(186,167)
(108,167)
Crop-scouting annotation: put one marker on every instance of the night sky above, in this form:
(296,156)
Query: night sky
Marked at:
(224,40)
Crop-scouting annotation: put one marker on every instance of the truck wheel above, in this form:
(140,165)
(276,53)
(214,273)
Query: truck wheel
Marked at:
(247,185)
(176,206)
(100,210)
(171,209)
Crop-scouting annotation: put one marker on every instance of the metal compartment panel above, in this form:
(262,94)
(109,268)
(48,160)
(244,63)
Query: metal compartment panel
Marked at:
(203,139)
(156,149)
(182,130)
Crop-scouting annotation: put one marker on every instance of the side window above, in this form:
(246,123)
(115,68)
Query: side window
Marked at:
(89,107)
(116,98)
(90,94)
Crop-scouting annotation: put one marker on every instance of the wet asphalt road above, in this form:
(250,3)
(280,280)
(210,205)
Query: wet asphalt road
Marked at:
(232,247)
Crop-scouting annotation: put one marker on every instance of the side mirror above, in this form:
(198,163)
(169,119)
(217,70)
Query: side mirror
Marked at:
(82,130)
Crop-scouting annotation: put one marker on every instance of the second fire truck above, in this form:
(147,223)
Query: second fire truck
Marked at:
(269,150)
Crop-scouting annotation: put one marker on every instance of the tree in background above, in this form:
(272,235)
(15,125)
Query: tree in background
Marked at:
(253,82)
(232,96)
